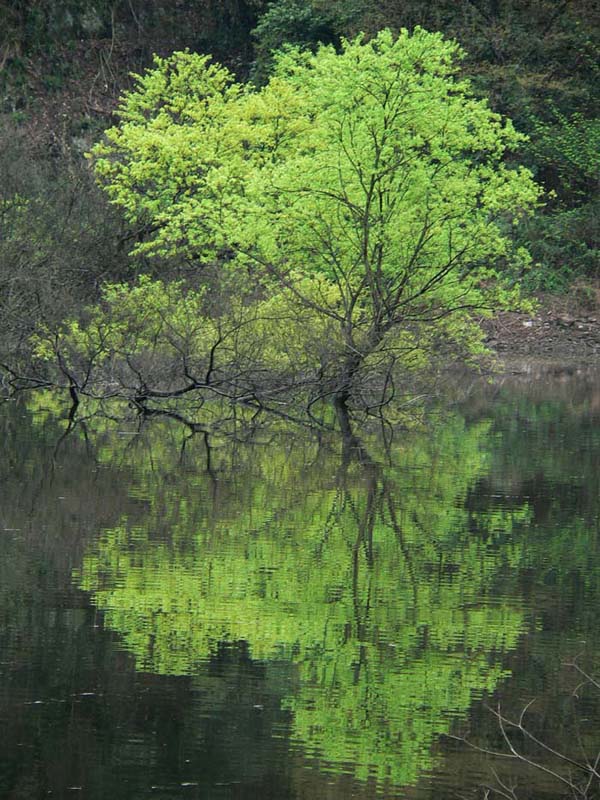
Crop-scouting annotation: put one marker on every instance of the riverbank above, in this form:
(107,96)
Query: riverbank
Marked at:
(563,328)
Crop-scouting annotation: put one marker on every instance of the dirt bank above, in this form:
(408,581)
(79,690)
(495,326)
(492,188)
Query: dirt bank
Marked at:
(561,330)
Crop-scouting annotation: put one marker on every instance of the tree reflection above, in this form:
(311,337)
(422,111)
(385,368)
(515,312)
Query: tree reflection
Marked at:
(372,581)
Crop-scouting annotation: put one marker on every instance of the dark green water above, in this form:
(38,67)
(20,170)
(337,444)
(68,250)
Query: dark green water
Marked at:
(193,617)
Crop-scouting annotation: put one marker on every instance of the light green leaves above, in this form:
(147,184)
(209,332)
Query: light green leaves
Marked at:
(368,188)
(377,153)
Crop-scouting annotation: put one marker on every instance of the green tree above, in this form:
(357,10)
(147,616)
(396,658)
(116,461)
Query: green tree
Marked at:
(374,169)
(536,60)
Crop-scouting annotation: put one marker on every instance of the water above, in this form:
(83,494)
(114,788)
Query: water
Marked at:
(202,617)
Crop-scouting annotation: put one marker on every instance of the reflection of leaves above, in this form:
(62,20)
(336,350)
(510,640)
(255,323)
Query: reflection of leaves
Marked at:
(371,586)
(385,724)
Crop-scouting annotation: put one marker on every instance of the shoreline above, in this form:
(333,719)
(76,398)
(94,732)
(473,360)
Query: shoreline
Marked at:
(559,336)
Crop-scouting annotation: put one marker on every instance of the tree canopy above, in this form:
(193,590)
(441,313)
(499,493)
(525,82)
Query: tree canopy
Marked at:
(369,186)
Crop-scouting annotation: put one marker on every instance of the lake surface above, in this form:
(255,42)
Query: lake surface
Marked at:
(209,617)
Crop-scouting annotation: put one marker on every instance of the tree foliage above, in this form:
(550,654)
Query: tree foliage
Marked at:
(374,171)
(537,61)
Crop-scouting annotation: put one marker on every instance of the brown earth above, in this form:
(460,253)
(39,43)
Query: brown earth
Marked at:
(562,329)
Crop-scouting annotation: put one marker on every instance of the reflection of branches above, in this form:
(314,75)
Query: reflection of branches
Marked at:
(48,475)
(193,427)
(405,551)
(72,423)
(333,518)
(579,778)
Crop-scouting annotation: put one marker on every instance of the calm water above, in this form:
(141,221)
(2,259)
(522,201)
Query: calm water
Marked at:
(200,617)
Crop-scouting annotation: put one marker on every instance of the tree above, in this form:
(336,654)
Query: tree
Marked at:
(537,61)
(373,171)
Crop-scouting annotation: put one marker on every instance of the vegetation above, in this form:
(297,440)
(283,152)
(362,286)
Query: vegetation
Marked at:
(537,61)
(305,207)
(360,200)
(245,222)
